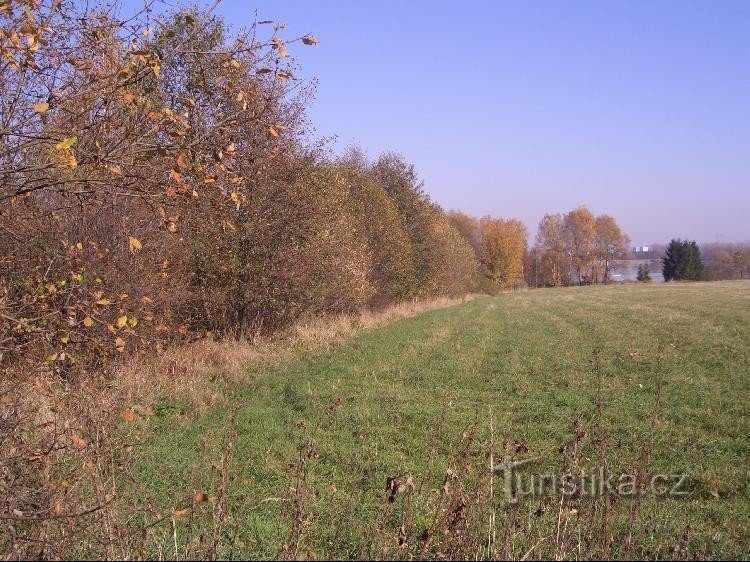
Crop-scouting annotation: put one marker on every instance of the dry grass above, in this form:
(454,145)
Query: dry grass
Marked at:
(198,372)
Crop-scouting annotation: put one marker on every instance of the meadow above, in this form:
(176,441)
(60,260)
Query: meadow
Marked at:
(383,445)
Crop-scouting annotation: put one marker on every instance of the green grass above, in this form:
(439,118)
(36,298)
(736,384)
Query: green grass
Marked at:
(522,360)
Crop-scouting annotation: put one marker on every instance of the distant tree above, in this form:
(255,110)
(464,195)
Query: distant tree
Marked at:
(609,243)
(503,250)
(682,261)
(444,261)
(468,226)
(580,233)
(742,262)
(551,256)
(644,274)
(721,265)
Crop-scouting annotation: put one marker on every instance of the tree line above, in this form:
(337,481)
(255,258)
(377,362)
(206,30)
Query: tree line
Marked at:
(158,180)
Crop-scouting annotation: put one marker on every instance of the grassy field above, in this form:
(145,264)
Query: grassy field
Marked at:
(296,461)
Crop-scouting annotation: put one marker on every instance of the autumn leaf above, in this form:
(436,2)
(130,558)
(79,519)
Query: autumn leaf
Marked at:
(134,244)
(310,40)
(200,497)
(50,358)
(41,107)
(272,130)
(122,321)
(175,175)
(182,160)
(128,416)
(66,143)
(119,345)
(88,321)
(78,442)
(180,512)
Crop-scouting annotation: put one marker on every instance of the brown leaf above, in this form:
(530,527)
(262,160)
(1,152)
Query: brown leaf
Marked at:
(128,415)
(78,442)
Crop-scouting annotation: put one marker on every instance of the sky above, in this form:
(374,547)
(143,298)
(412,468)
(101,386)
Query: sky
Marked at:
(638,109)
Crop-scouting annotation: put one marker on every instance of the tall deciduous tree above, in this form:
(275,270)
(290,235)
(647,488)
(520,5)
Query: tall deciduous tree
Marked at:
(579,235)
(550,240)
(503,250)
(609,244)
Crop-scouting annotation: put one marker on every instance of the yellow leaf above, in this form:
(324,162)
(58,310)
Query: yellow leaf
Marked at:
(273,131)
(79,246)
(66,143)
(88,321)
(283,52)
(122,321)
(65,338)
(234,63)
(132,322)
(135,244)
(41,107)
(50,358)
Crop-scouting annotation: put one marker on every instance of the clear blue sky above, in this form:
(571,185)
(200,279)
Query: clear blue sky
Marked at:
(640,109)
